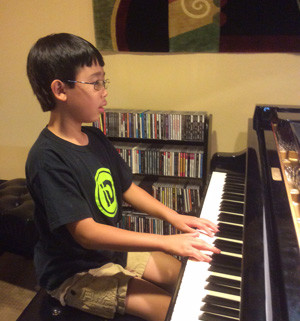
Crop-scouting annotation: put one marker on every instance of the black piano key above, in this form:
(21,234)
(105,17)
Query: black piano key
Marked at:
(234,231)
(214,309)
(235,183)
(229,235)
(237,175)
(212,317)
(223,281)
(231,218)
(222,289)
(224,270)
(234,189)
(229,227)
(235,180)
(230,260)
(232,207)
(221,301)
(231,202)
(226,261)
(228,243)
(233,197)
(228,246)
(231,210)
(232,182)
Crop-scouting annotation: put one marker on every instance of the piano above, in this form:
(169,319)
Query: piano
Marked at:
(254,198)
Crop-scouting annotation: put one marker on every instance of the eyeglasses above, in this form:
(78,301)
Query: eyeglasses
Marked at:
(97,84)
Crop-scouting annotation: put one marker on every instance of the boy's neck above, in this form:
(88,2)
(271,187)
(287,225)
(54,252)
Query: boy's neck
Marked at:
(67,129)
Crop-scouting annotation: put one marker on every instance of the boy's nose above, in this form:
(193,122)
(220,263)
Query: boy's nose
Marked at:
(104,93)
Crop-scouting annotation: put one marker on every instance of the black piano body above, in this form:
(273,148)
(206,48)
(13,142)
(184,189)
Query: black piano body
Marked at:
(279,283)
(271,258)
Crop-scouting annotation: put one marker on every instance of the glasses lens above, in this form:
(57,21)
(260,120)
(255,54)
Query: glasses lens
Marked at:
(97,85)
(105,83)
(101,84)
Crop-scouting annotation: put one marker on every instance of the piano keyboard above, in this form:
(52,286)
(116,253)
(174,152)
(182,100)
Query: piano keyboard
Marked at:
(211,291)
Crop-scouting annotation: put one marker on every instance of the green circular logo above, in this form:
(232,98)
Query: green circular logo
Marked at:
(105,195)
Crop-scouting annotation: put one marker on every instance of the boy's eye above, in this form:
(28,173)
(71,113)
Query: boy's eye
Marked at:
(98,84)
(101,83)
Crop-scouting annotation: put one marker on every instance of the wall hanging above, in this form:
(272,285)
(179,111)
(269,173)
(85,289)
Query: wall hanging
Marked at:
(197,25)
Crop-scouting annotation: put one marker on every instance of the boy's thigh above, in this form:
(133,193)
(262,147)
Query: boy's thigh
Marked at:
(147,300)
(162,269)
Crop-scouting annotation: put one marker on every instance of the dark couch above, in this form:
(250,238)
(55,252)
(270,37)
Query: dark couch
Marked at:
(18,233)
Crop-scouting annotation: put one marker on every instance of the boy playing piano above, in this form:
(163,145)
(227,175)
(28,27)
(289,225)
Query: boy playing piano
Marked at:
(78,181)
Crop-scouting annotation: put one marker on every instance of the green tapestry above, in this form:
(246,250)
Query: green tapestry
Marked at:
(197,25)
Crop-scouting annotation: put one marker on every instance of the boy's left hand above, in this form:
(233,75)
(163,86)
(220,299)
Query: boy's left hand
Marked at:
(186,223)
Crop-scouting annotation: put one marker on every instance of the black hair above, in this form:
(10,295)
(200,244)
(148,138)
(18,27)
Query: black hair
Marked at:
(58,56)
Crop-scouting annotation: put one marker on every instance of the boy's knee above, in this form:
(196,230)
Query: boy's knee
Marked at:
(146,300)
(163,270)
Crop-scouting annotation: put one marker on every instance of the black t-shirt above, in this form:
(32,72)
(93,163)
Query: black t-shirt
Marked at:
(70,183)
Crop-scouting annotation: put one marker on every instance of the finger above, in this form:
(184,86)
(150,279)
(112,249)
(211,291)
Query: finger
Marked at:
(206,232)
(193,233)
(200,257)
(202,245)
(213,249)
(206,226)
(206,258)
(213,227)
(210,224)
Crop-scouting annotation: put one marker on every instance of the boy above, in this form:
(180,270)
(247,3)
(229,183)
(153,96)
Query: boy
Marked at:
(78,181)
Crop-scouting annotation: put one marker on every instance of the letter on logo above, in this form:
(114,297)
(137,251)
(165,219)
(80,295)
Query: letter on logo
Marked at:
(105,195)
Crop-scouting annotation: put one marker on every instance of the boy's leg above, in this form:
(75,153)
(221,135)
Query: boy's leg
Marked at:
(163,270)
(150,297)
(146,300)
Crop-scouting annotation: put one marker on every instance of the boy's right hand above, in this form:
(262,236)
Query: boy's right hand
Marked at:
(190,245)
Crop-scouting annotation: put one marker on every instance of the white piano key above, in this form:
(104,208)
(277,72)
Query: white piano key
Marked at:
(192,291)
(187,307)
(192,287)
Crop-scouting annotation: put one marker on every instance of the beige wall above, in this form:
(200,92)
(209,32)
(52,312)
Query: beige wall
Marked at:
(226,85)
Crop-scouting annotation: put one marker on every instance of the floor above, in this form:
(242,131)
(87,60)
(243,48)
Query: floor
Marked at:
(17,285)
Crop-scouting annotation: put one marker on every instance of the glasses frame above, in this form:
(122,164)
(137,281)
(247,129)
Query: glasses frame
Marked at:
(97,84)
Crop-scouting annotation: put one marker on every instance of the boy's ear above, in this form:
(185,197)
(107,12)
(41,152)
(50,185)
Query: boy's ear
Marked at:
(58,89)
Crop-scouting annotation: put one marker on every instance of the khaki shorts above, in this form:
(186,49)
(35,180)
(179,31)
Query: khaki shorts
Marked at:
(102,291)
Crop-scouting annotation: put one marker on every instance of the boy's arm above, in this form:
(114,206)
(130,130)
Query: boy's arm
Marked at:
(144,202)
(92,235)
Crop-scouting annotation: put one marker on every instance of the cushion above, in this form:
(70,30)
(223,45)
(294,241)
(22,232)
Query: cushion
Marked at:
(18,233)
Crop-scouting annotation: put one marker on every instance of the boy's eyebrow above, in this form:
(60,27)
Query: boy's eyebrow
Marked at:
(99,73)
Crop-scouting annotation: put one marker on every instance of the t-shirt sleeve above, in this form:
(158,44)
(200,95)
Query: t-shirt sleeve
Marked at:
(63,202)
